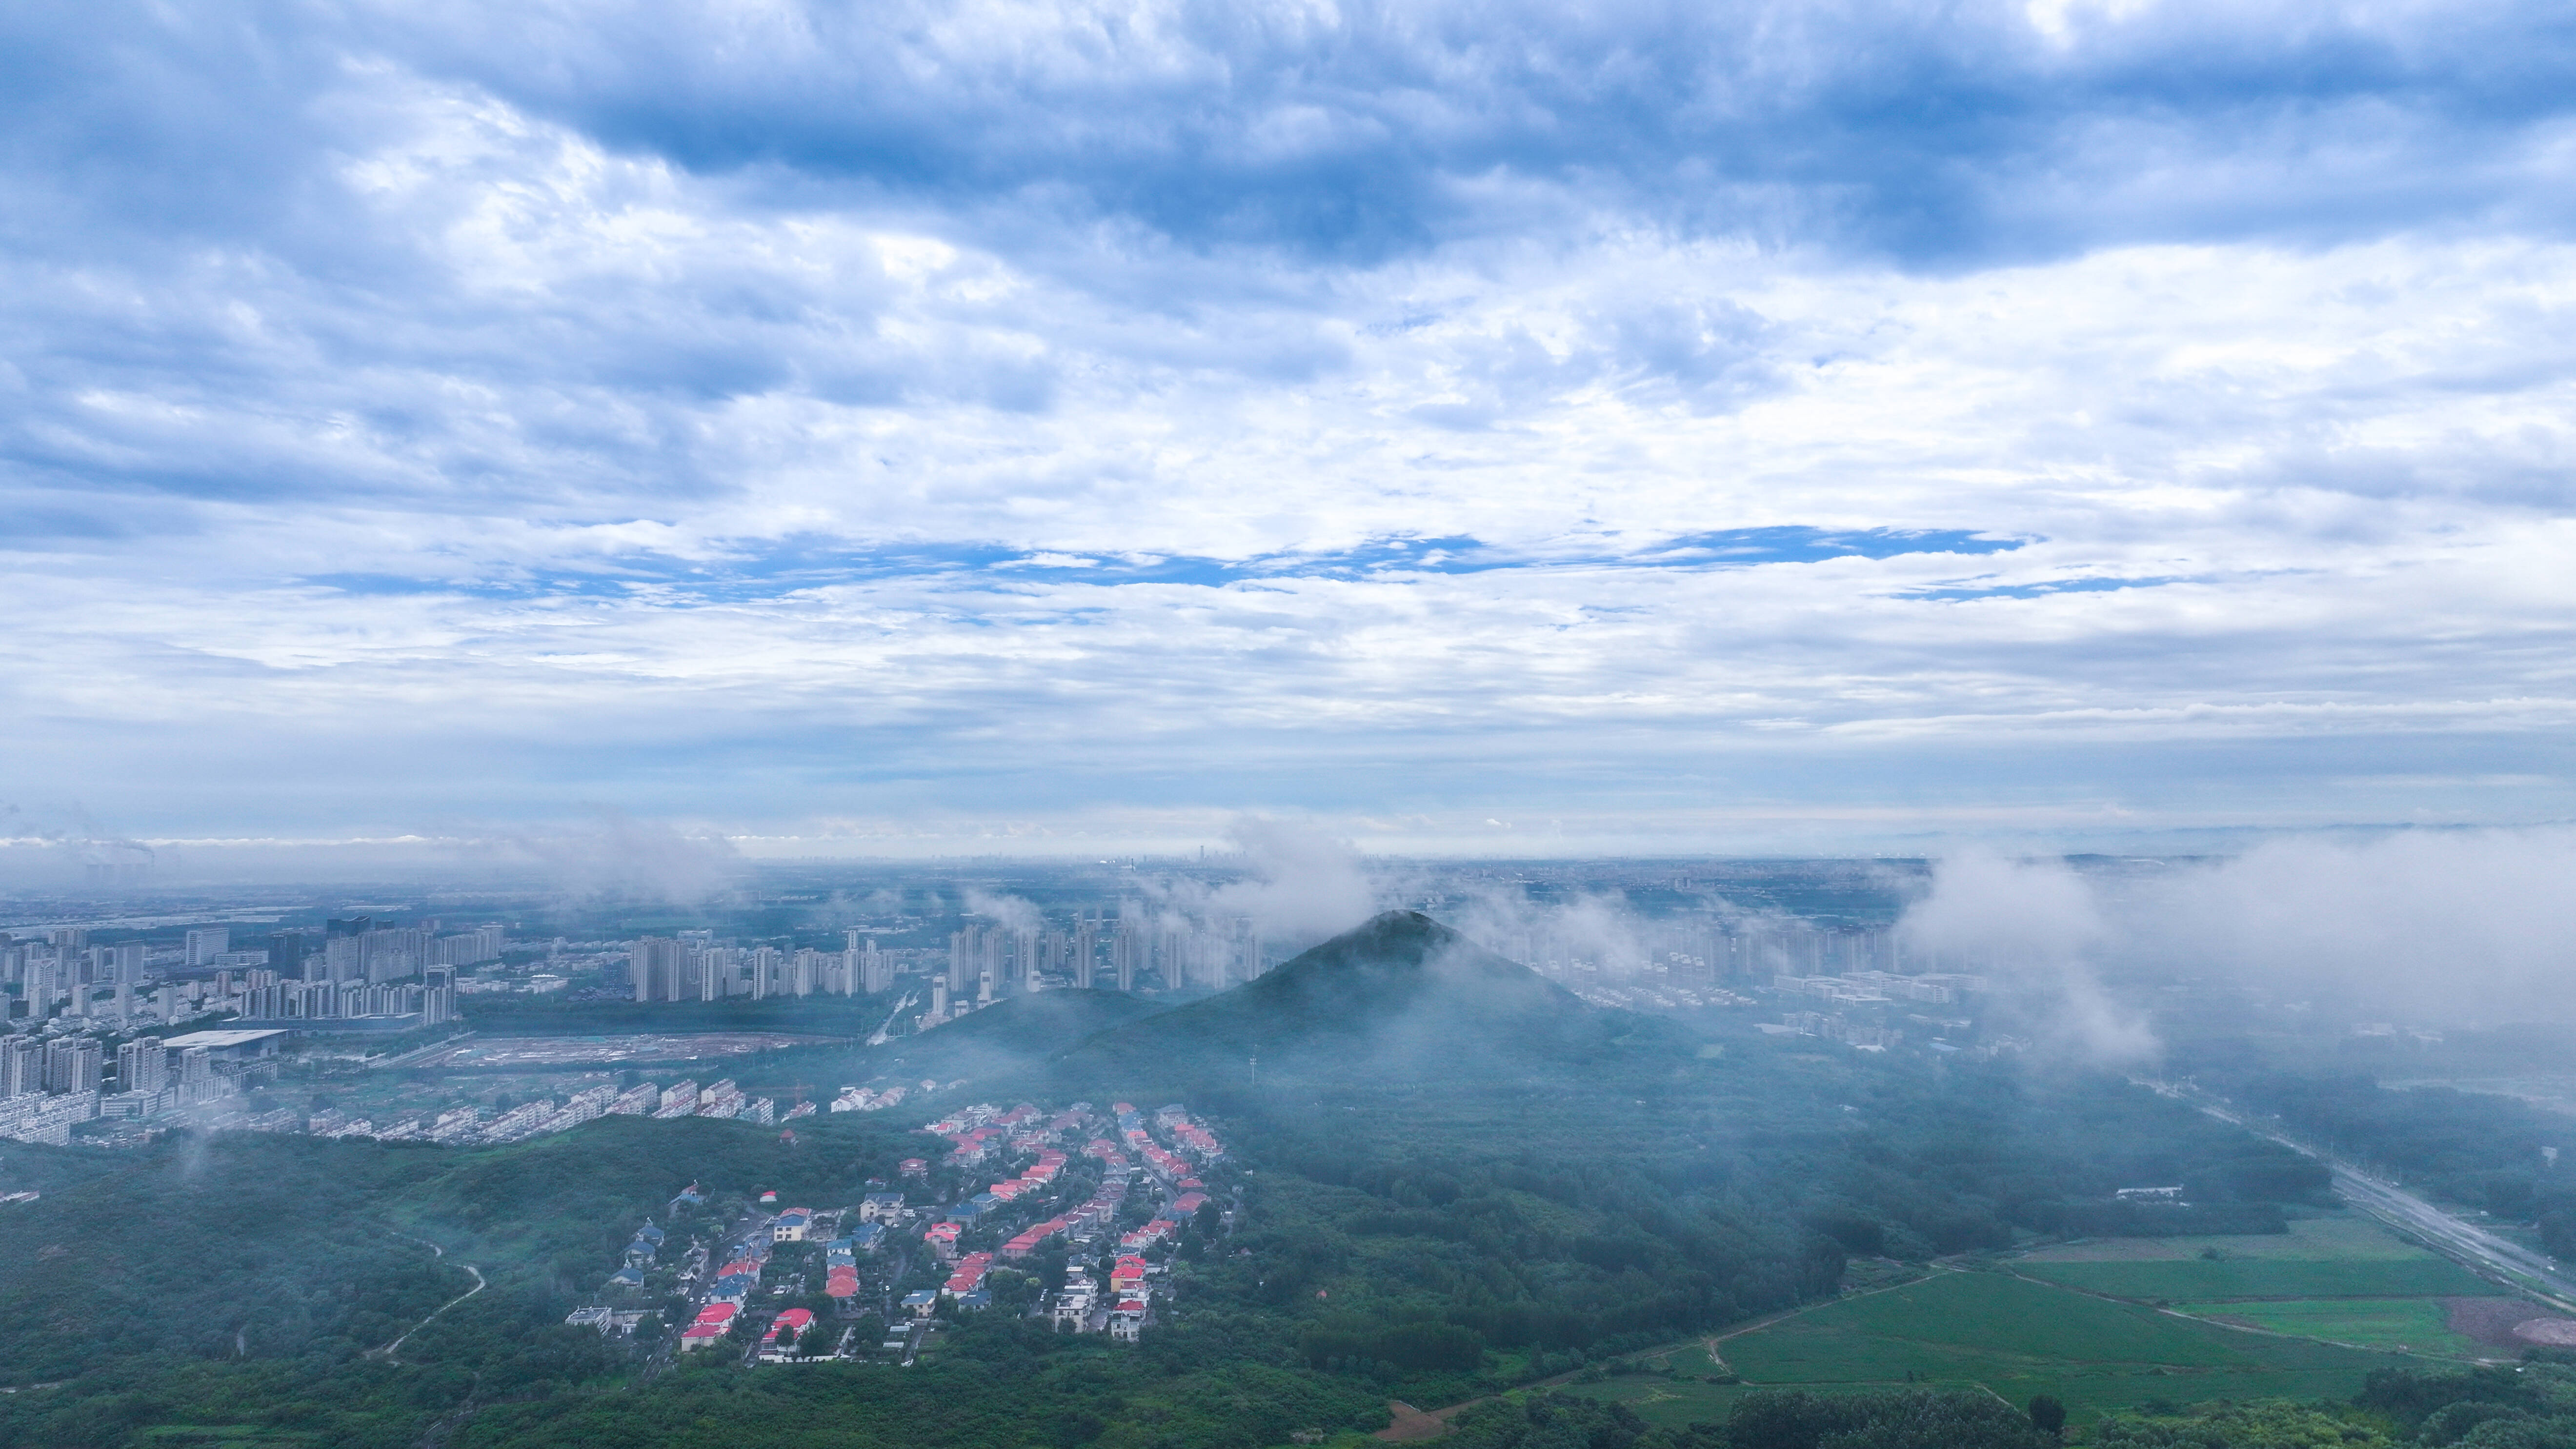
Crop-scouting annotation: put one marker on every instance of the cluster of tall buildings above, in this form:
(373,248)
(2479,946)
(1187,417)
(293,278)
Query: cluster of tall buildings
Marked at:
(692,966)
(987,962)
(61,972)
(354,969)
(362,973)
(48,1086)
(1098,949)
(359,949)
(263,995)
(357,972)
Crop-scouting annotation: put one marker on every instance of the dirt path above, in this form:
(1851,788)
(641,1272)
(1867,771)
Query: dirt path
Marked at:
(387,1352)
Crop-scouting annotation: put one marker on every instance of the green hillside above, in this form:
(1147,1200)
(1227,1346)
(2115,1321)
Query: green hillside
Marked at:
(1400,999)
(1015,1035)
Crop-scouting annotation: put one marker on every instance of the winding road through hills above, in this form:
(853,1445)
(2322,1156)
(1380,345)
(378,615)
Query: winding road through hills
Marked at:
(435,1251)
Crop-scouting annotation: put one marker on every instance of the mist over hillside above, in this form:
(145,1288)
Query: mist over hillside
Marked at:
(1393,1166)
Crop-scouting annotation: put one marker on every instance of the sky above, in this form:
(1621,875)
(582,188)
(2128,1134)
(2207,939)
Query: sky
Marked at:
(918,428)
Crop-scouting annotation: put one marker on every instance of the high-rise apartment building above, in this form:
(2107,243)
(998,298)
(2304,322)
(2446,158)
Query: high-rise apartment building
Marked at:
(438,996)
(22,1066)
(73,1064)
(393,954)
(286,951)
(196,1073)
(870,969)
(205,943)
(1085,950)
(1129,951)
(655,962)
(483,943)
(142,1066)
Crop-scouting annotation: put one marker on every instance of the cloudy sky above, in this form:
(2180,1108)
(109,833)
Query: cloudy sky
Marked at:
(895,426)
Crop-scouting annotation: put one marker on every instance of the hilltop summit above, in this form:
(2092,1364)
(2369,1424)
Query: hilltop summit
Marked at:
(1398,997)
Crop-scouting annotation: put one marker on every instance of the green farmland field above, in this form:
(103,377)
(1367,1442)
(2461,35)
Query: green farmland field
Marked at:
(2267,1278)
(2320,1258)
(2343,1237)
(2421,1325)
(2012,1336)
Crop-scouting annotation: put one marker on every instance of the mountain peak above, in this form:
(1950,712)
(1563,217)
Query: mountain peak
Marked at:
(1390,996)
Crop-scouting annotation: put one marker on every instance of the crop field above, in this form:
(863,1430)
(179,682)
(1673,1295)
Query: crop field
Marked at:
(2343,1279)
(2344,1237)
(2266,1278)
(2344,1257)
(2009,1335)
(2417,1325)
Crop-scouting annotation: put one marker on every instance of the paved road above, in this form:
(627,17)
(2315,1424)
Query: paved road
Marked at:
(2450,1236)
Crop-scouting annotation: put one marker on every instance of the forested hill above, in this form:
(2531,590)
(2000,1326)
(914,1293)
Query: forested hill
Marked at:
(1009,1037)
(1399,999)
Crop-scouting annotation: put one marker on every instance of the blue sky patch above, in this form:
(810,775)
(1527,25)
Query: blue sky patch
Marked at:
(785,570)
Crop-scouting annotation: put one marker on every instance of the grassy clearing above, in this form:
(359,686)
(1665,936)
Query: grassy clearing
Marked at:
(2343,1238)
(2419,1325)
(2198,1280)
(2008,1335)
(2338,1257)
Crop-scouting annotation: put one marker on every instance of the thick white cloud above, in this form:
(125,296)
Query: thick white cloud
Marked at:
(547,410)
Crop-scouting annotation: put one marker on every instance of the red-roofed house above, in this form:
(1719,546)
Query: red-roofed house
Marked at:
(969,1275)
(785,1326)
(712,1322)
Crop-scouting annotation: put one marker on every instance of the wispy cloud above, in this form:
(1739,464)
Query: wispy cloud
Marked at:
(789,413)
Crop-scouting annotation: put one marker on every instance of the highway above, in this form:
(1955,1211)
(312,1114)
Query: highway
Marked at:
(2463,1242)
(878,1037)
